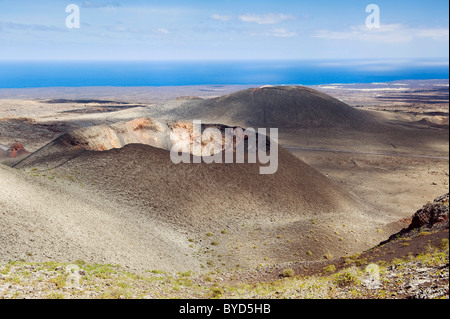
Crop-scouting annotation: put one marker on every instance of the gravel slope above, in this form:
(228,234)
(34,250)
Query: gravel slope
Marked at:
(43,220)
(133,206)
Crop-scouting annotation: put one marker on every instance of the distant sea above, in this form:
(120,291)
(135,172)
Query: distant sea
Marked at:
(182,73)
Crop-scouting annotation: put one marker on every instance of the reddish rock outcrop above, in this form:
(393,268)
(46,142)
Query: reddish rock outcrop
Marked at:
(16,150)
(431,216)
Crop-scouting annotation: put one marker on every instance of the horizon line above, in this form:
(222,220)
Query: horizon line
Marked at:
(447,59)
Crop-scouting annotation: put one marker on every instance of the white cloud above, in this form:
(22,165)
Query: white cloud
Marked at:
(163,31)
(387,33)
(279,33)
(223,18)
(118,29)
(29,27)
(269,18)
(283,33)
(435,34)
(100,4)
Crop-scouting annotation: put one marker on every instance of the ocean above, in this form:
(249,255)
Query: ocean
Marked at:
(29,74)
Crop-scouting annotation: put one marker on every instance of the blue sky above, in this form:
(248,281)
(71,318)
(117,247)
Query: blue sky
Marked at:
(218,30)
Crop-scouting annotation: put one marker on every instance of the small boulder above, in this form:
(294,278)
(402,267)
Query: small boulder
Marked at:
(431,214)
(16,150)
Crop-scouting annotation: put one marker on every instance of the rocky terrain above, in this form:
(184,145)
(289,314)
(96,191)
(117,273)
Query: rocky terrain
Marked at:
(12,154)
(98,209)
(215,216)
(14,151)
(432,216)
(415,273)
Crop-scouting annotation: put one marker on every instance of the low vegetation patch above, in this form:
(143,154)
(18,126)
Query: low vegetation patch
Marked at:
(288,273)
(422,276)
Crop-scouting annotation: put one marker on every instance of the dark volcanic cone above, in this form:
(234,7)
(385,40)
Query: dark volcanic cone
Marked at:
(278,107)
(128,164)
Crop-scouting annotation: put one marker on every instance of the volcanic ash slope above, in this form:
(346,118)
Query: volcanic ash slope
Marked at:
(284,107)
(111,194)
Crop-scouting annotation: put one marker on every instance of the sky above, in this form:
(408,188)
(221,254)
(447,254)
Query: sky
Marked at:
(223,30)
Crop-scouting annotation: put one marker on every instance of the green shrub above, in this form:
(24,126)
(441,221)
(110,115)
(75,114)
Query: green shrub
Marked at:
(329,269)
(444,243)
(346,279)
(288,273)
(216,292)
(424,233)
